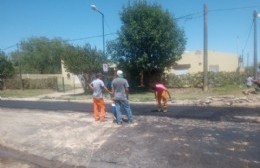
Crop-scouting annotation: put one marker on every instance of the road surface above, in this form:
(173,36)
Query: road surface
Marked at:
(62,134)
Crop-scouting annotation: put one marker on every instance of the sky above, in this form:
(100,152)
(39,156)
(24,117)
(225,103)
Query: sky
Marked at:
(230,22)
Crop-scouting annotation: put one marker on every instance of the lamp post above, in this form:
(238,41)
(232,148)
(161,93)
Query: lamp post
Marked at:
(95,9)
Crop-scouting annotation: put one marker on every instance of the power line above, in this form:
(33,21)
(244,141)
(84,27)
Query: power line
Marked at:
(199,14)
(11,46)
(85,38)
(251,27)
(70,40)
(230,9)
(189,16)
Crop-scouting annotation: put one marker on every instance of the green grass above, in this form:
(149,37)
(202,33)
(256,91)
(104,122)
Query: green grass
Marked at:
(24,93)
(81,96)
(176,93)
(142,97)
(190,93)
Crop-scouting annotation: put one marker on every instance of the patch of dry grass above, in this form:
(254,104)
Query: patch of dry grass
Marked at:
(176,93)
(24,93)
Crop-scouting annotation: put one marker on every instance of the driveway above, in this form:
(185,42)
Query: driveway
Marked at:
(64,134)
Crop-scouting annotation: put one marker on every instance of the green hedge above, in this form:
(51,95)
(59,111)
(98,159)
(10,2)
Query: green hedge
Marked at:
(46,83)
(214,79)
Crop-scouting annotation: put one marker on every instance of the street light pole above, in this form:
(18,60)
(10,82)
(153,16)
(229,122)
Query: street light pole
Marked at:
(103,28)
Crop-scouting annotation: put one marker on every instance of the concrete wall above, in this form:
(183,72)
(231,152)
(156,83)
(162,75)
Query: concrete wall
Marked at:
(192,62)
(69,78)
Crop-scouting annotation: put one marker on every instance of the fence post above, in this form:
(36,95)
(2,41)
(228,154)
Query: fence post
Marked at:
(57,86)
(63,86)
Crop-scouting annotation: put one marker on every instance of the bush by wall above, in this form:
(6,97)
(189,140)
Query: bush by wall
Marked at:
(214,79)
(45,83)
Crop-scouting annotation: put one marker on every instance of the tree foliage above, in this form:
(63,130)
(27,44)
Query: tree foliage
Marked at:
(149,40)
(6,67)
(83,61)
(40,55)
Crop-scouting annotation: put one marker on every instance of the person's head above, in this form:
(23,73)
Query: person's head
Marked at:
(99,75)
(119,73)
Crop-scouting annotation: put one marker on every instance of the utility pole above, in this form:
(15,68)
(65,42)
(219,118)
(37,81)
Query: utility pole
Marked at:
(205,54)
(20,70)
(255,15)
(247,60)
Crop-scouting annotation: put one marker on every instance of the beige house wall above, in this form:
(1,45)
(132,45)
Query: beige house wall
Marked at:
(40,76)
(69,78)
(66,77)
(192,62)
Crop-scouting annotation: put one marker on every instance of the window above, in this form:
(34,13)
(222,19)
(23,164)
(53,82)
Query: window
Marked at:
(181,69)
(214,68)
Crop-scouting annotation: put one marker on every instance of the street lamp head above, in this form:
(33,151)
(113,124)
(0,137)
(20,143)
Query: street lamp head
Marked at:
(93,7)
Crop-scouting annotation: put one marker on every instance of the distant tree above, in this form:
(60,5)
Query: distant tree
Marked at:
(40,55)
(83,61)
(6,69)
(149,41)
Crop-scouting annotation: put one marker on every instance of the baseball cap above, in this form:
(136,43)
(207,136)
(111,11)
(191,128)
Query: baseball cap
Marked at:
(119,73)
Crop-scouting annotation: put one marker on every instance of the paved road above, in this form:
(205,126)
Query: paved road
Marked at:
(63,134)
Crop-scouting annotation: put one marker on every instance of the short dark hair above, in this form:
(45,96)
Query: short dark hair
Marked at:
(99,75)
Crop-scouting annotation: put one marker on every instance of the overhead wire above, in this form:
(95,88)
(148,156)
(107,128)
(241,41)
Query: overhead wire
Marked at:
(199,14)
(187,17)
(229,9)
(248,36)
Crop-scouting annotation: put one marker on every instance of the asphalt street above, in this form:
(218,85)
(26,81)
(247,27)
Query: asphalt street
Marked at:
(64,134)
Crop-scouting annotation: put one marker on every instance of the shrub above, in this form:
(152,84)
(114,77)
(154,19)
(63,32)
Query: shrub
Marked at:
(44,83)
(214,79)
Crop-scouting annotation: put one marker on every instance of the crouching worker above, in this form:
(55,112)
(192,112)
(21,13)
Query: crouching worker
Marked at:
(161,93)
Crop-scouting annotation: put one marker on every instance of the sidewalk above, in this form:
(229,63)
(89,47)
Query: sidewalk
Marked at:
(51,96)
(59,94)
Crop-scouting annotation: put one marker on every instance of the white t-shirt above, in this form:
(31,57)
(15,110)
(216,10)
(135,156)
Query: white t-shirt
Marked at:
(249,81)
(98,86)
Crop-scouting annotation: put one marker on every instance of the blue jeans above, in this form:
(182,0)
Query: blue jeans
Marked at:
(126,107)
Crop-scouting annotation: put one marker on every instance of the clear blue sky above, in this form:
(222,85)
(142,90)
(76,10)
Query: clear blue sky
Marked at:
(229,22)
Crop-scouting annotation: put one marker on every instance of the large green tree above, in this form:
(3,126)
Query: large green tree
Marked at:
(6,68)
(84,61)
(40,55)
(149,41)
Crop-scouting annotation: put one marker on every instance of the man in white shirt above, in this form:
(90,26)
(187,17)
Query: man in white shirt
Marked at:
(97,86)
